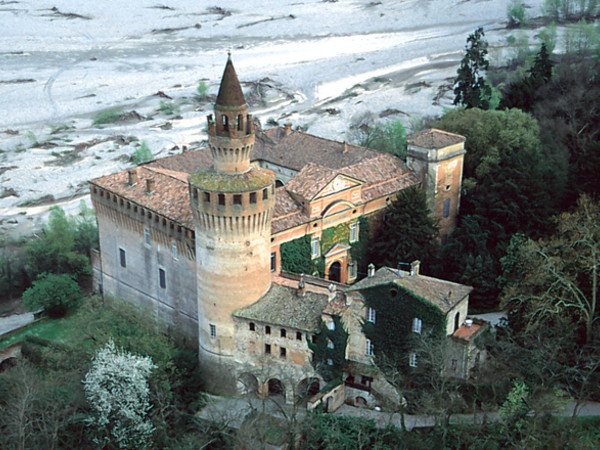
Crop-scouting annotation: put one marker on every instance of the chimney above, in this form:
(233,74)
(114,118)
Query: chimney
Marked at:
(332,292)
(348,299)
(468,322)
(414,267)
(345,150)
(150,185)
(371,270)
(301,287)
(287,127)
(133,176)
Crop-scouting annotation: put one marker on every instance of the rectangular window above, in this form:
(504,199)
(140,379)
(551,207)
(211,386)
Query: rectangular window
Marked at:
(213,330)
(412,360)
(222,199)
(162,278)
(368,347)
(283,332)
(354,232)
(453,363)
(207,197)
(371,314)
(282,352)
(252,197)
(174,250)
(315,247)
(352,270)
(446,208)
(331,325)
(122,257)
(267,349)
(265,194)
(329,362)
(416,325)
(273,262)
(330,344)
(237,199)
(252,326)
(298,336)
(147,236)
(267,329)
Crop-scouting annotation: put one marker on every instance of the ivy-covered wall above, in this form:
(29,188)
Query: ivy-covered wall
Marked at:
(396,307)
(322,351)
(296,257)
(359,250)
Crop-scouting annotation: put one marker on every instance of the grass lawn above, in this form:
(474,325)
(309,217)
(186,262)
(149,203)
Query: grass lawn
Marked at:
(57,330)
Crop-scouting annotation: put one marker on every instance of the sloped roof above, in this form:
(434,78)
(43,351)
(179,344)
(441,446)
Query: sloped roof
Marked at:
(230,94)
(282,306)
(310,180)
(434,139)
(442,293)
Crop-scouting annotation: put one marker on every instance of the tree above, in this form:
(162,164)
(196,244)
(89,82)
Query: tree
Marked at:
(515,11)
(389,138)
(117,390)
(471,89)
(56,293)
(409,232)
(56,249)
(561,277)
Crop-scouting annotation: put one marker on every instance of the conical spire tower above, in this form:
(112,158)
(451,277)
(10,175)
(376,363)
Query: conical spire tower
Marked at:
(233,205)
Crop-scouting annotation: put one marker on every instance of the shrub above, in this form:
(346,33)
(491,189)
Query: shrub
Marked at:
(142,154)
(201,90)
(516,15)
(169,108)
(56,293)
(110,116)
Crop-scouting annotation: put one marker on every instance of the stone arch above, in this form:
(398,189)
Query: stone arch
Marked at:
(7,364)
(308,387)
(332,205)
(360,402)
(247,384)
(334,273)
(275,387)
(278,183)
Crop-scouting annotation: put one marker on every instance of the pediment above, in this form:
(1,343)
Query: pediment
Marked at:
(339,183)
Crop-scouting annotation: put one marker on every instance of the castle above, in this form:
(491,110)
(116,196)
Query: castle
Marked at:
(197,239)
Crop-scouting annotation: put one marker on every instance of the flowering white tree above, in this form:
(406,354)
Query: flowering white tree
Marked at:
(117,389)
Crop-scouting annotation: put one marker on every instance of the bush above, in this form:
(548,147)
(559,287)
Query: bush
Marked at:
(56,293)
(142,154)
(169,108)
(201,90)
(110,116)
(515,12)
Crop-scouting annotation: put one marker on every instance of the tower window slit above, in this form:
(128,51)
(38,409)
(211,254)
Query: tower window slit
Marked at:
(239,122)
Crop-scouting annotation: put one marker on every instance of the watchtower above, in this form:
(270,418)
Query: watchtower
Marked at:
(232,203)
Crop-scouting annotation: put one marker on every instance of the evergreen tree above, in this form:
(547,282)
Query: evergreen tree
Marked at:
(472,90)
(541,71)
(408,233)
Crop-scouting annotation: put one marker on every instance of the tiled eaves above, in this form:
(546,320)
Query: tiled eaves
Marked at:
(434,139)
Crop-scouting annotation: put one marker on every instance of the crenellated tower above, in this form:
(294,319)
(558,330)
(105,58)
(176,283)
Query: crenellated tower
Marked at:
(232,203)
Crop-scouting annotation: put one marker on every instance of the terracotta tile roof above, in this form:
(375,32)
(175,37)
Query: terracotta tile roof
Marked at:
(434,139)
(282,306)
(442,293)
(337,306)
(297,149)
(467,333)
(175,205)
(318,161)
(310,180)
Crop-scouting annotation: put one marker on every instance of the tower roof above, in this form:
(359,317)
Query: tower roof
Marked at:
(230,92)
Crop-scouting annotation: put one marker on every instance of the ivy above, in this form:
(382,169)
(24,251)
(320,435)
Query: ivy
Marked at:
(335,235)
(322,351)
(396,307)
(359,251)
(296,257)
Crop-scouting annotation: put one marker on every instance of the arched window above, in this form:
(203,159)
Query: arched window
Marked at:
(239,122)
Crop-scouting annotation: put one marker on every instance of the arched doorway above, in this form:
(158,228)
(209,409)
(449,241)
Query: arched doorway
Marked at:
(335,272)
(247,384)
(457,321)
(308,387)
(276,388)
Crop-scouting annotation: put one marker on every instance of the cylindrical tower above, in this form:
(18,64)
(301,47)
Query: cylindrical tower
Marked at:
(233,205)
